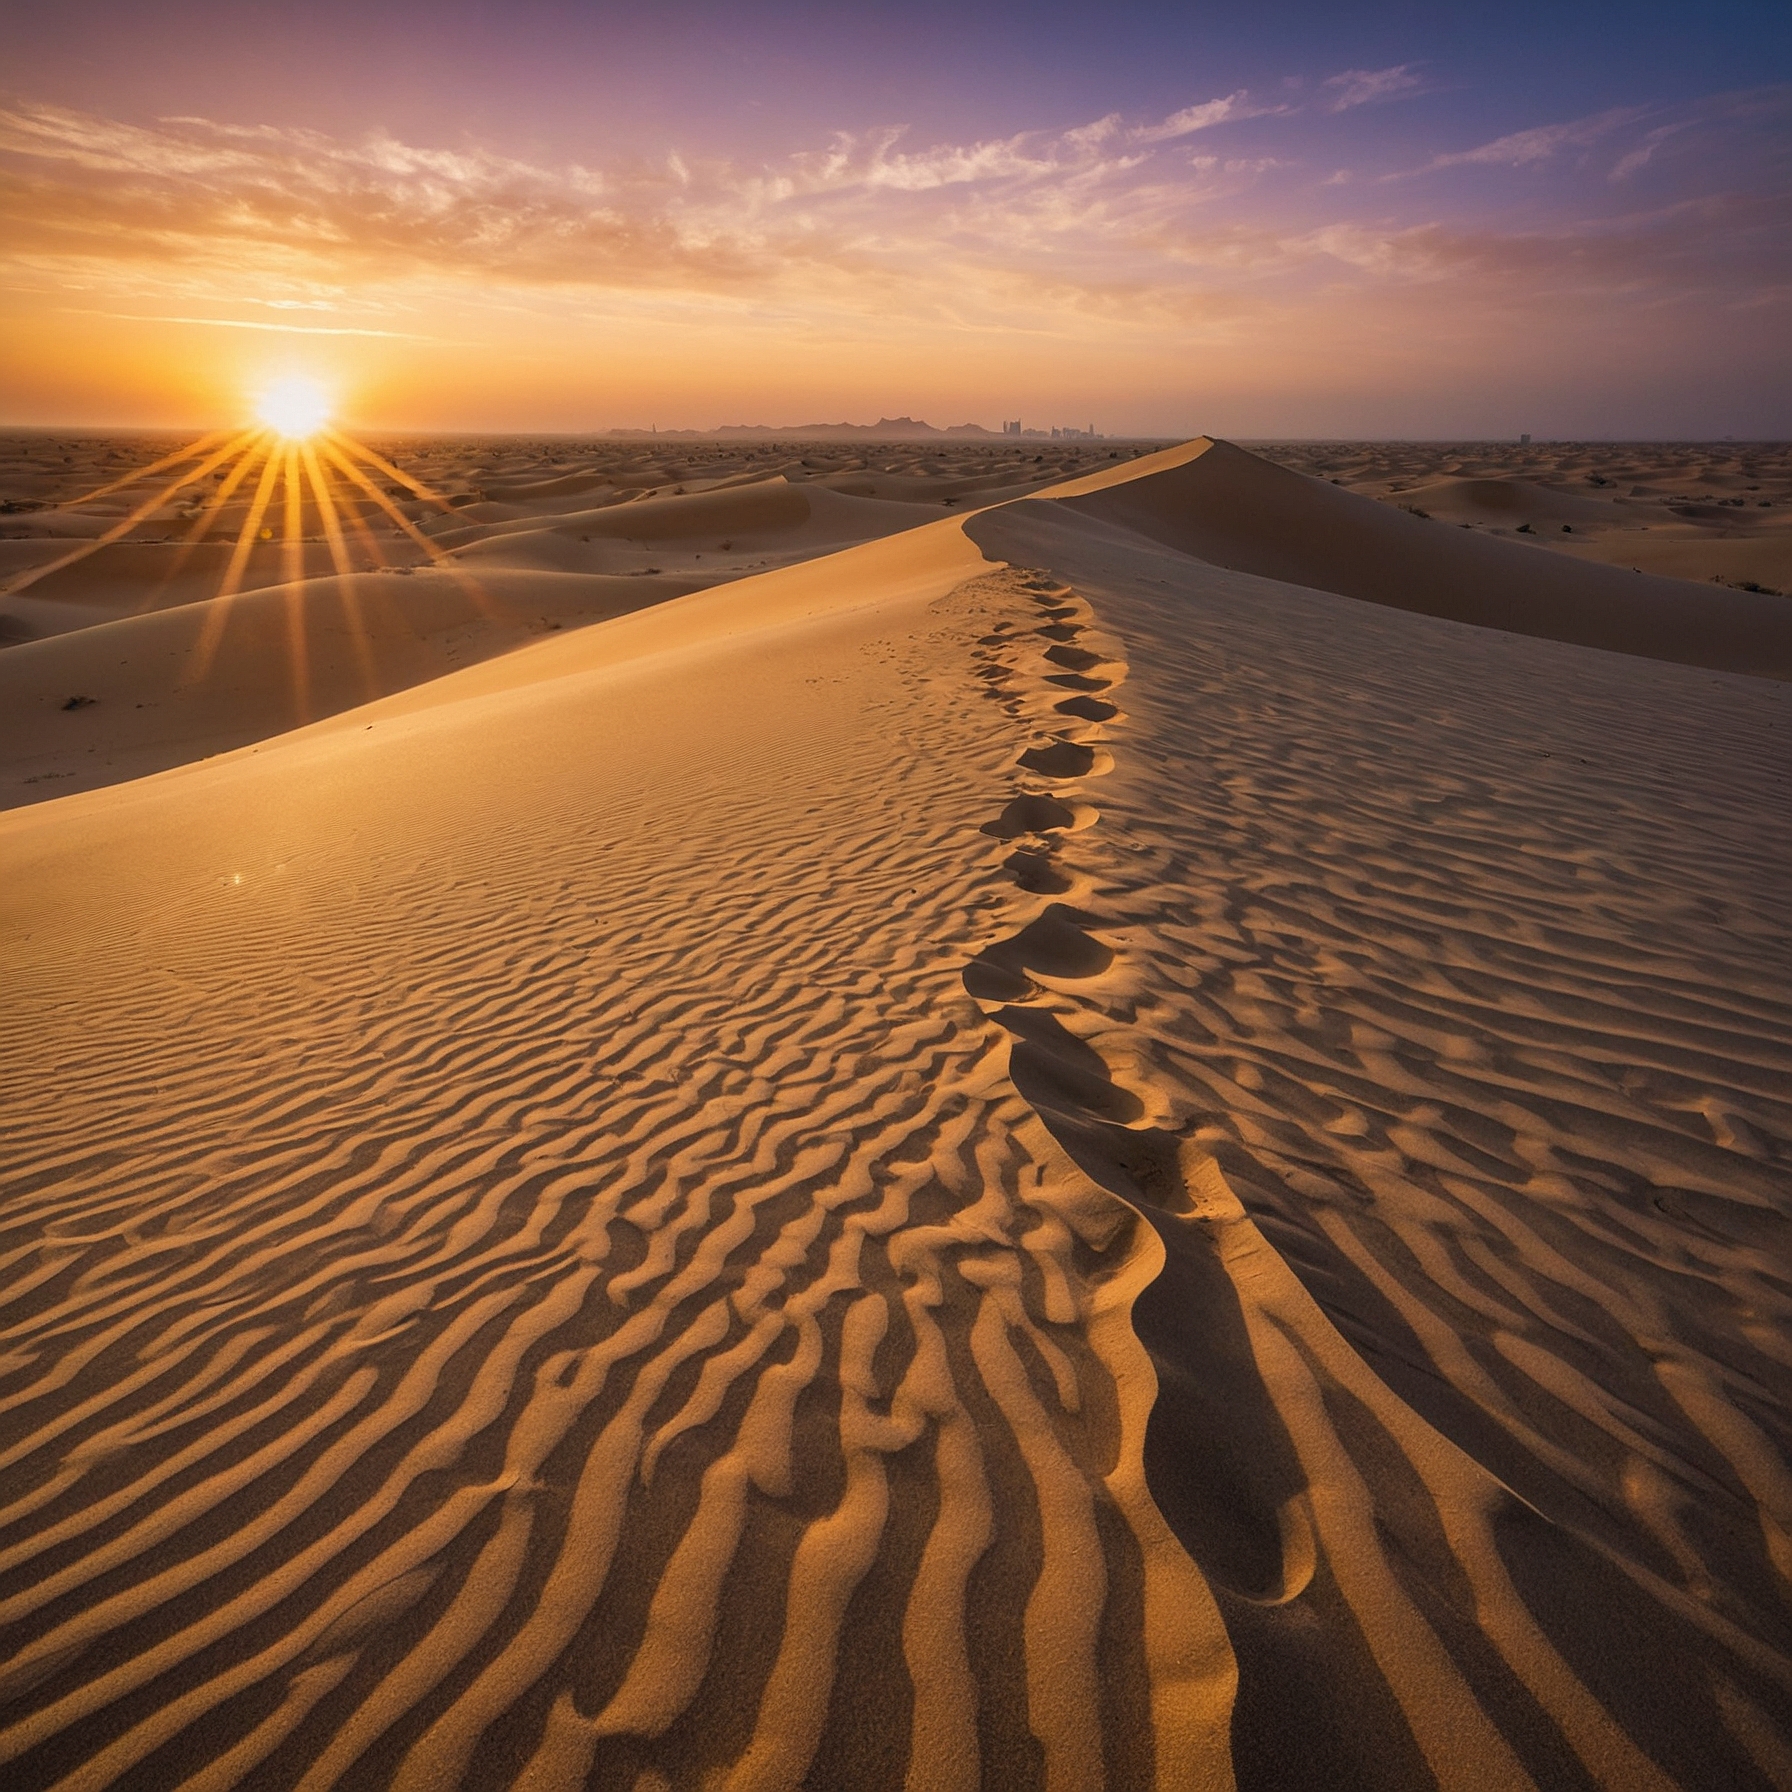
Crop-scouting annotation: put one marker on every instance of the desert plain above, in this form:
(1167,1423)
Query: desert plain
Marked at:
(922,1113)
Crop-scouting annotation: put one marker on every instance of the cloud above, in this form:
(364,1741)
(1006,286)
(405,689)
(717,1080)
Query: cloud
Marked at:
(278,199)
(1200,118)
(873,159)
(196,220)
(1368,87)
(243,323)
(1720,140)
(1712,249)
(1112,223)
(1525,149)
(1645,151)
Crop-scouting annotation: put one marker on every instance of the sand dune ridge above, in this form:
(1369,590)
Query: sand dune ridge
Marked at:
(577,1339)
(1005,1158)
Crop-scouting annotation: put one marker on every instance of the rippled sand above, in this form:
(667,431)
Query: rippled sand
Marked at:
(1014,1156)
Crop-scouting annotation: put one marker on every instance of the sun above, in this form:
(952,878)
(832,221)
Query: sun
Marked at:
(296,407)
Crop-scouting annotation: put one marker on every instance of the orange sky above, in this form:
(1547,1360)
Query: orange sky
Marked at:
(1345,249)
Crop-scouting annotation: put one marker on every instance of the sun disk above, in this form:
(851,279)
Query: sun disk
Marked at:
(295,407)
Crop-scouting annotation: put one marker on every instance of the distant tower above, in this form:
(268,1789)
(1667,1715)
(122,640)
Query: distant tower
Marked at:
(1524,441)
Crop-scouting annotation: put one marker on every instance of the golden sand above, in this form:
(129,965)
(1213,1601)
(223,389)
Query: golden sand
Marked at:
(1122,1136)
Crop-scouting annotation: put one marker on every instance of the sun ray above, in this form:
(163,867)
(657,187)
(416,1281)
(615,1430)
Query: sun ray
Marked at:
(386,467)
(288,460)
(201,446)
(218,614)
(326,511)
(350,471)
(292,522)
(351,514)
(213,505)
(125,524)
(439,556)
(292,571)
(345,573)
(246,536)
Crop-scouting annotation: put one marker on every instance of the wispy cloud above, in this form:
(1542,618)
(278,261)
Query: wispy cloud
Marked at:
(1368,87)
(1135,225)
(1644,153)
(193,192)
(1525,149)
(246,323)
(1230,110)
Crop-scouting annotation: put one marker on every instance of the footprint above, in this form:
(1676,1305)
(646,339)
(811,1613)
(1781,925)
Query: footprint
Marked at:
(1031,814)
(1076,659)
(987,981)
(1087,709)
(1054,944)
(1062,759)
(1059,1074)
(1032,869)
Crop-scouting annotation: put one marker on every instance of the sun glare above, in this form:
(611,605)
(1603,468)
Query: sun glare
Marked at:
(295,407)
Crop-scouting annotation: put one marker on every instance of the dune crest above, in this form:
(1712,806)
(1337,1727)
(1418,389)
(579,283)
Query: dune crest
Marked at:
(603,1329)
(1006,1158)
(1442,1031)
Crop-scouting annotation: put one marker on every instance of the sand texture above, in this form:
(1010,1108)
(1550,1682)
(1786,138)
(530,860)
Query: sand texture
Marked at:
(1113,1138)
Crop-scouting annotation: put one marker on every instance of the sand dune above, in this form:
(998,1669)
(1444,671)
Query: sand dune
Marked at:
(135,664)
(1447,1001)
(1004,1158)
(1718,512)
(58,493)
(83,709)
(131,578)
(1231,509)
(1504,501)
(762,522)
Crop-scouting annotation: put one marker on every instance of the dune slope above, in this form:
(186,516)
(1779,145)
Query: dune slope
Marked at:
(1447,1028)
(534,1266)
(137,669)
(1713,512)
(1007,1158)
(122,699)
(1219,504)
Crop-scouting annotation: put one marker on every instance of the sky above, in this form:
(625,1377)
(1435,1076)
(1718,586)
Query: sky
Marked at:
(1253,220)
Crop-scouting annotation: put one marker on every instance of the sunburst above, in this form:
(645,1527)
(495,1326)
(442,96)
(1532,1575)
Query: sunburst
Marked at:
(290,460)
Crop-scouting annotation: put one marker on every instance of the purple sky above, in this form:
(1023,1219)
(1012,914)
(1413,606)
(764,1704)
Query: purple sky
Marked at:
(1268,221)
